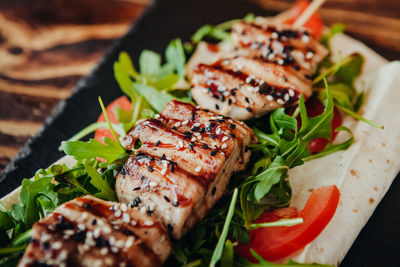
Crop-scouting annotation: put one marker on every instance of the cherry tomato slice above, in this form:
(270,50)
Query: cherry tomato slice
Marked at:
(274,243)
(314,24)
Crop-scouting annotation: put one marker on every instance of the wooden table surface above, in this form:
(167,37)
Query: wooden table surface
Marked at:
(47,46)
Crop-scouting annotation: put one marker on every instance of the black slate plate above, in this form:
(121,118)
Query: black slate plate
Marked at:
(377,245)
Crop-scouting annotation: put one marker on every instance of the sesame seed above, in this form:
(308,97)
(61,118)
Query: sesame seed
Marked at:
(177,124)
(232,126)
(148,223)
(225,138)
(152,184)
(143,209)
(123,207)
(113,249)
(286,97)
(193,139)
(106,230)
(198,169)
(271,56)
(118,213)
(270,98)
(84,216)
(133,222)
(280,61)
(104,251)
(249,109)
(213,153)
(157,143)
(185,122)
(129,241)
(81,227)
(163,171)
(275,35)
(280,101)
(63,255)
(96,233)
(309,55)
(151,207)
(291,93)
(126,218)
(57,245)
(180,144)
(224,146)
(305,39)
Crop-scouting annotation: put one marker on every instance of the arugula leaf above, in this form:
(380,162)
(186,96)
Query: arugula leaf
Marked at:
(106,192)
(216,256)
(149,63)
(80,150)
(156,99)
(175,55)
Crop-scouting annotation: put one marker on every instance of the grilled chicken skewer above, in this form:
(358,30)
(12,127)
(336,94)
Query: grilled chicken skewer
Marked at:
(184,164)
(264,67)
(91,232)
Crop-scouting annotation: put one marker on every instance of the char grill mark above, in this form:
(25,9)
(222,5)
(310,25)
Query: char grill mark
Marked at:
(195,151)
(267,67)
(88,231)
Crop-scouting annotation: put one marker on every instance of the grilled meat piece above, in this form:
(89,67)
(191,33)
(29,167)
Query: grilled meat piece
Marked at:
(268,66)
(91,232)
(184,164)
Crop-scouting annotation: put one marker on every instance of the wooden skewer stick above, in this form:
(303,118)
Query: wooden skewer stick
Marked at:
(311,9)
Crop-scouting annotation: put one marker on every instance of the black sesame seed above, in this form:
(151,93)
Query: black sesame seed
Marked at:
(232,135)
(216,96)
(308,76)
(232,126)
(46,245)
(296,67)
(249,109)
(79,236)
(192,117)
(285,78)
(220,121)
(187,134)
(229,101)
(213,136)
(174,128)
(157,143)
(175,203)
(136,188)
(128,232)
(191,145)
(246,148)
(142,178)
(150,168)
(170,228)
(86,205)
(247,99)
(204,146)
(94,222)
(213,153)
(216,106)
(123,170)
(162,157)
(202,130)
(213,191)
(166,199)
(195,128)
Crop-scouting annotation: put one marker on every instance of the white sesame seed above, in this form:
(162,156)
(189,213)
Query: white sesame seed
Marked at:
(126,218)
(197,134)
(106,230)
(225,62)
(96,233)
(133,222)
(309,55)
(167,217)
(84,216)
(225,138)
(100,222)
(148,223)
(185,122)
(45,237)
(152,184)
(193,139)
(275,35)
(291,93)
(180,144)
(157,116)
(280,61)
(69,232)
(177,124)
(239,67)
(305,38)
(256,89)
(114,249)
(109,260)
(163,171)
(117,213)
(129,241)
(89,235)
(218,131)
(151,207)
(286,97)
(123,207)
(270,98)
(112,240)
(197,124)
(280,101)
(143,209)
(221,88)
(198,169)
(224,146)
(119,243)
(104,251)
(271,56)
(57,245)
(85,247)
(81,227)
(63,255)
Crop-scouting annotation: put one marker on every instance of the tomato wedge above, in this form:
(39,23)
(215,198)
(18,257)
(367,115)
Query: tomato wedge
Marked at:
(122,102)
(274,243)
(314,24)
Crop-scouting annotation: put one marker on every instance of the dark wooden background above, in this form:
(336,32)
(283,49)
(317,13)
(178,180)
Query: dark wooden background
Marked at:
(46,46)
